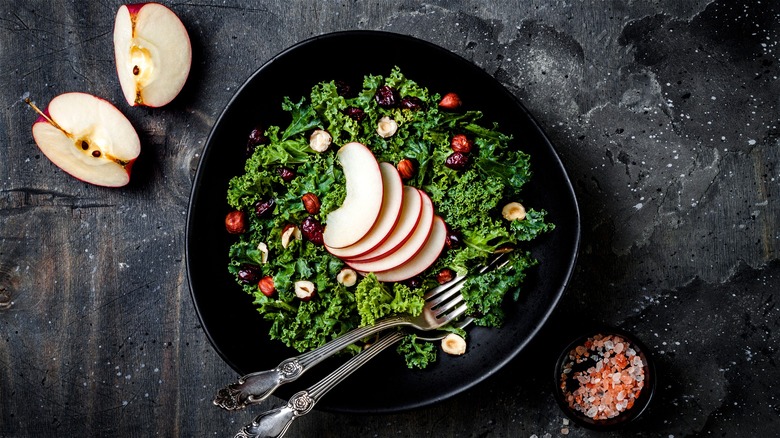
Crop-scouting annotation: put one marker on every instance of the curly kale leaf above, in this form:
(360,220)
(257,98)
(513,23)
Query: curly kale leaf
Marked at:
(417,354)
(376,300)
(304,118)
(533,225)
(485,293)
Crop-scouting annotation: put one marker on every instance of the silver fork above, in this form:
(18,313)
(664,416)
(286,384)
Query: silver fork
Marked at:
(443,304)
(275,422)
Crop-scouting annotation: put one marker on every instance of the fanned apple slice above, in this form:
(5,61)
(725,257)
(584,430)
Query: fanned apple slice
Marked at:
(153,53)
(357,214)
(423,259)
(392,202)
(409,249)
(411,210)
(88,138)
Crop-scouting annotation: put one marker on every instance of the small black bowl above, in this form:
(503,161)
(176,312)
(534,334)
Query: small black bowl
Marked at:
(623,418)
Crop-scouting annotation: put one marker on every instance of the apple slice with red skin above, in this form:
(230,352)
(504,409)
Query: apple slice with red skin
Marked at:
(392,202)
(409,249)
(87,137)
(351,222)
(423,259)
(411,210)
(153,53)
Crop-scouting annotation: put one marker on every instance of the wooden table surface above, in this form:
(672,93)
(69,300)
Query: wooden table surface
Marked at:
(665,114)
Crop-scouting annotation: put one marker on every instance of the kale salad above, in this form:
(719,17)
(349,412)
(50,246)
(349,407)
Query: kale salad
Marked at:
(292,179)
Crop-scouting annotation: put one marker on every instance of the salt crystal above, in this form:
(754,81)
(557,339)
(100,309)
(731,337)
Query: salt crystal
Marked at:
(565,431)
(592,412)
(621,395)
(619,347)
(631,352)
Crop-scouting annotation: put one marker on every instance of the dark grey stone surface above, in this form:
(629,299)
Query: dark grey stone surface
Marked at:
(665,113)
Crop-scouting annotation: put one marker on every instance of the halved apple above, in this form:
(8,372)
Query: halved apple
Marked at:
(88,138)
(388,215)
(411,210)
(153,53)
(423,259)
(360,210)
(409,249)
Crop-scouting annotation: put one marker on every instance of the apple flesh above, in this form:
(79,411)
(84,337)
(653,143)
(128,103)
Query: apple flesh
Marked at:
(153,53)
(88,138)
(408,250)
(389,213)
(411,210)
(353,220)
(423,259)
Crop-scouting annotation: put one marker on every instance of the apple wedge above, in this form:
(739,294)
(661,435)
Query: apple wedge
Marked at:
(392,202)
(409,249)
(423,259)
(411,210)
(153,53)
(88,138)
(360,210)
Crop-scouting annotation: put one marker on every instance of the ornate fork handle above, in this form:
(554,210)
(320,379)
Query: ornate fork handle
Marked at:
(274,423)
(255,387)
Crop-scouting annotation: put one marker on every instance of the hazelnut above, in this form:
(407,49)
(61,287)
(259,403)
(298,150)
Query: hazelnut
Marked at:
(453,344)
(514,211)
(386,127)
(235,222)
(304,289)
(446,275)
(311,203)
(406,168)
(461,143)
(450,101)
(320,140)
(263,248)
(347,277)
(290,232)
(266,285)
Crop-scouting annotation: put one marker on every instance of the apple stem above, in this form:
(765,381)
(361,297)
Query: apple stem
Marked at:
(28,101)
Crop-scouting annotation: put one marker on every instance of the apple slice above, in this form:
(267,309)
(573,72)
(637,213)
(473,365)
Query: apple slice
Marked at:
(88,138)
(153,53)
(411,210)
(423,259)
(388,215)
(406,251)
(357,214)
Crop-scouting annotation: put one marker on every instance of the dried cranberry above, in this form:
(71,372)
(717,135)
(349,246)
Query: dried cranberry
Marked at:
(454,239)
(386,96)
(343,89)
(257,136)
(457,161)
(413,282)
(355,113)
(411,103)
(249,274)
(265,208)
(312,230)
(287,174)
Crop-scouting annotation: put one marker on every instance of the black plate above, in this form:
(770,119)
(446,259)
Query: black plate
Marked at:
(385,385)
